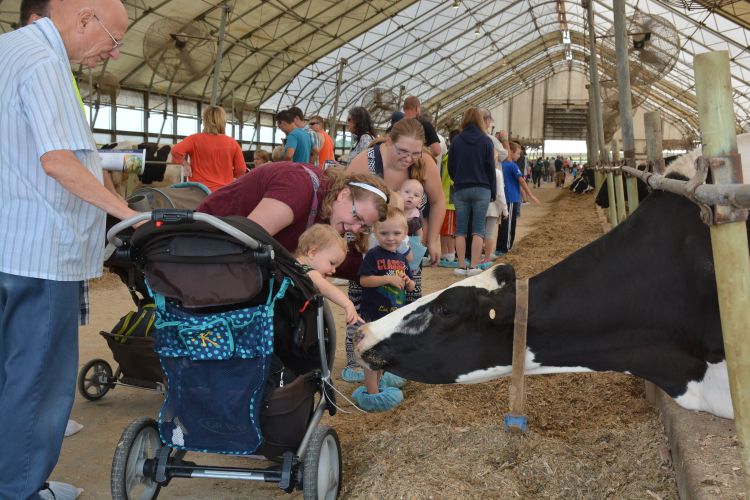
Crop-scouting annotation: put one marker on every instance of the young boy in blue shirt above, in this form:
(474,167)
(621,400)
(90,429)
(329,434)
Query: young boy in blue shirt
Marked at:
(385,278)
(514,183)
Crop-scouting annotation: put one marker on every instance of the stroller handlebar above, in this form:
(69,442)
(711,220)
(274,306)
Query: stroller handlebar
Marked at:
(179,216)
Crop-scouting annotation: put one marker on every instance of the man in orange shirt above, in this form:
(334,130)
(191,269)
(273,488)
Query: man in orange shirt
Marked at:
(215,158)
(326,151)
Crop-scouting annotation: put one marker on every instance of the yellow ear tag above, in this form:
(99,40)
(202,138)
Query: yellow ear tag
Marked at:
(492,314)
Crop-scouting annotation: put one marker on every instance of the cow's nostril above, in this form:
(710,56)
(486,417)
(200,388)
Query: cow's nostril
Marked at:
(359,336)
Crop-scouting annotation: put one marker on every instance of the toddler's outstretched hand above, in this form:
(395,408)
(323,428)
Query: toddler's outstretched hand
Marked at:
(352,318)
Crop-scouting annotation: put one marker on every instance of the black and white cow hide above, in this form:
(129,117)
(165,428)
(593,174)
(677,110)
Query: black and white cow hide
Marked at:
(652,311)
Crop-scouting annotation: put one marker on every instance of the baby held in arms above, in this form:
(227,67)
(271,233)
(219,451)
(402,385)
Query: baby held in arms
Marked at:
(411,192)
(320,250)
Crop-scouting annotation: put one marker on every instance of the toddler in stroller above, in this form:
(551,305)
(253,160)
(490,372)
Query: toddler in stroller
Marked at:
(236,314)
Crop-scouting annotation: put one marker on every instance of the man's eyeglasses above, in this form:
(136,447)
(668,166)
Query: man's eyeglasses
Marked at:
(359,221)
(403,153)
(116,44)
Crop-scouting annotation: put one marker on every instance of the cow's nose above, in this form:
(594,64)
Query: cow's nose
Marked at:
(360,334)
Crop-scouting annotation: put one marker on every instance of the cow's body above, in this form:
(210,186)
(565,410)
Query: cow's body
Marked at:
(640,300)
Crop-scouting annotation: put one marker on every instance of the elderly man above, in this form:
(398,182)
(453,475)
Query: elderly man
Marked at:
(52,204)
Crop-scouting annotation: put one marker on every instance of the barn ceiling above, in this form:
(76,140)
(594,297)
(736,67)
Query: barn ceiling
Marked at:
(450,53)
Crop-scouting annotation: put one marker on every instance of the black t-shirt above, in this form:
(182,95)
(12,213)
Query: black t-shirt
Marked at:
(430,136)
(558,165)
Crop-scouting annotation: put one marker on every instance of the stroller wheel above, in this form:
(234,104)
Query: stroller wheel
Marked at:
(321,472)
(139,441)
(95,379)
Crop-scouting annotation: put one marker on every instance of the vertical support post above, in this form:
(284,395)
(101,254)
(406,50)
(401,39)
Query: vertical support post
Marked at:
(654,150)
(612,210)
(633,200)
(729,241)
(596,97)
(257,128)
(335,117)
(615,150)
(219,53)
(623,83)
(620,197)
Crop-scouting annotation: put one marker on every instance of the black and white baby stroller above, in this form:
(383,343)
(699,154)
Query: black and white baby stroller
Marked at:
(130,340)
(245,343)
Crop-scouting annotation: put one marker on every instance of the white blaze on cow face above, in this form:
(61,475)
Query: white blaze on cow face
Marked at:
(531,367)
(711,394)
(383,328)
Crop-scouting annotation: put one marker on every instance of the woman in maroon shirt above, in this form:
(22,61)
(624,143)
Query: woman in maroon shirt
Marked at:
(285,198)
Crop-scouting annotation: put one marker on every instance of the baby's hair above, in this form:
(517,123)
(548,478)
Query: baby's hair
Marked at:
(317,237)
(412,181)
(394,213)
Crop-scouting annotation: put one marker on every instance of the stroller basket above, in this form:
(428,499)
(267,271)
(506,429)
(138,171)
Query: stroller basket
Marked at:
(137,359)
(216,366)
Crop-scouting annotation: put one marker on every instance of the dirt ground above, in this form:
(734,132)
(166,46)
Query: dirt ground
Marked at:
(590,435)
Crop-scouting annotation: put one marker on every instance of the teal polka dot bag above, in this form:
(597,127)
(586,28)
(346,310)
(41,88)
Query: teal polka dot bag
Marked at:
(216,365)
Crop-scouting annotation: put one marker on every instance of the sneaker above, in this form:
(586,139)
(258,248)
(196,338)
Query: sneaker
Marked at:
(461,271)
(497,253)
(473,271)
(448,263)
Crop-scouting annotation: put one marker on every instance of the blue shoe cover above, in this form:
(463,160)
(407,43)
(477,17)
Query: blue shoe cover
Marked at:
(353,374)
(448,263)
(391,380)
(385,400)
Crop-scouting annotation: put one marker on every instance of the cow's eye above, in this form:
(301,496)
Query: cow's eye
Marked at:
(443,310)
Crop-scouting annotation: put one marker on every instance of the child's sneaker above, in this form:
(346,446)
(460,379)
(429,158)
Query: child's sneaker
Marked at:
(473,271)
(460,271)
(352,374)
(497,253)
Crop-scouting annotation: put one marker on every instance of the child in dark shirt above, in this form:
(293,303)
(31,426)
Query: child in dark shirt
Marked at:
(385,278)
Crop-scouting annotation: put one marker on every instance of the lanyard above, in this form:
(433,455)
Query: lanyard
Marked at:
(78,95)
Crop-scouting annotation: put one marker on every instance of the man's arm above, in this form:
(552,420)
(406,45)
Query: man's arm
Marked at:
(288,154)
(64,167)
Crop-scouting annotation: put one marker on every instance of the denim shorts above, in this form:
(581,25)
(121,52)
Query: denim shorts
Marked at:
(471,202)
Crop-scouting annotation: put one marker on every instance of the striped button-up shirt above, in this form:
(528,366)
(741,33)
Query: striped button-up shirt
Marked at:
(45,231)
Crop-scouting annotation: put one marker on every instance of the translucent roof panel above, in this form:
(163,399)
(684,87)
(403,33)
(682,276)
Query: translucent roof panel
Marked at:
(454,57)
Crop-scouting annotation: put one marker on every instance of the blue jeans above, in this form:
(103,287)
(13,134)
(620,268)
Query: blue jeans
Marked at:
(471,203)
(38,362)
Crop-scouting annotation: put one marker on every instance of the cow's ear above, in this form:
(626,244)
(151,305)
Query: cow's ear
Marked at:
(504,275)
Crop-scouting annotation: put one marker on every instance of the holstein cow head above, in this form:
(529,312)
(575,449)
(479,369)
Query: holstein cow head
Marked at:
(461,334)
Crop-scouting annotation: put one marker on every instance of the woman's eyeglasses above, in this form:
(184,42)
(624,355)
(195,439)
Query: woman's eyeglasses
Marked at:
(358,220)
(405,153)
